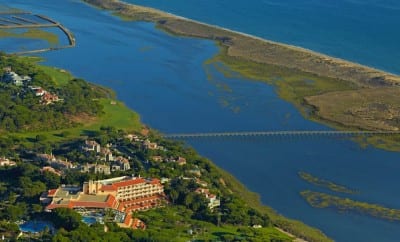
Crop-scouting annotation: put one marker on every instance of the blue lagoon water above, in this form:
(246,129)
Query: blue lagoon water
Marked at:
(165,79)
(362,31)
(12,44)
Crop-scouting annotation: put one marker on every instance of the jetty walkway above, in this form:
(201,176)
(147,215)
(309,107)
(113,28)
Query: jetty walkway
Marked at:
(9,20)
(11,12)
(281,133)
(26,26)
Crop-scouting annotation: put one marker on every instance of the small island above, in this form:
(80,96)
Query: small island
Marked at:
(325,183)
(323,200)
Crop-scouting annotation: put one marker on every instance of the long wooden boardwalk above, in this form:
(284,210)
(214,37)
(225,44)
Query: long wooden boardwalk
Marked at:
(282,133)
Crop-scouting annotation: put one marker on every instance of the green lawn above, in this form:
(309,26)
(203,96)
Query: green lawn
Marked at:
(180,223)
(116,114)
(59,76)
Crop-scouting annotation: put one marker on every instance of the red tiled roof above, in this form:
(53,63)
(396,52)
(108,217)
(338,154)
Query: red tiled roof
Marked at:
(109,203)
(54,205)
(155,181)
(129,182)
(52,192)
(138,224)
(127,219)
(108,188)
(112,201)
(202,190)
(122,159)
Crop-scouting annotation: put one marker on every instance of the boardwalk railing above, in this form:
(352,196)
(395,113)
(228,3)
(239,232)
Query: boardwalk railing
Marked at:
(282,133)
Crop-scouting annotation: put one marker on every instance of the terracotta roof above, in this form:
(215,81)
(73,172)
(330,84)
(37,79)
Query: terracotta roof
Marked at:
(127,219)
(138,224)
(52,192)
(212,195)
(129,182)
(181,160)
(202,190)
(108,188)
(122,159)
(54,205)
(155,181)
(112,201)
(91,142)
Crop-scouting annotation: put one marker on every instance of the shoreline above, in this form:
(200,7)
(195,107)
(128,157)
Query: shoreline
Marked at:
(265,40)
(253,48)
(173,24)
(289,46)
(264,60)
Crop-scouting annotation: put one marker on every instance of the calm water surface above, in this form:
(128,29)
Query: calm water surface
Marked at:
(362,31)
(12,44)
(165,79)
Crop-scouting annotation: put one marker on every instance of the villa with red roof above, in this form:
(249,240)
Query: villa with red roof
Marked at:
(213,201)
(125,194)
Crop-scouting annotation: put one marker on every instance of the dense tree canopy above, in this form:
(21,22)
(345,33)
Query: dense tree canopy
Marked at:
(21,109)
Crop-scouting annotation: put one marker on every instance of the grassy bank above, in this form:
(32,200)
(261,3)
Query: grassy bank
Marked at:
(51,38)
(324,183)
(293,88)
(179,225)
(302,77)
(292,85)
(296,73)
(115,113)
(250,47)
(322,200)
(294,227)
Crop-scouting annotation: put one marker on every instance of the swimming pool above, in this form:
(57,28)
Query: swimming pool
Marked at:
(89,220)
(34,226)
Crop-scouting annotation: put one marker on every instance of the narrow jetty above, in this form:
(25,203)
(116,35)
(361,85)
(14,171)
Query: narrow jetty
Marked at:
(13,22)
(71,39)
(24,20)
(14,12)
(28,26)
(281,133)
